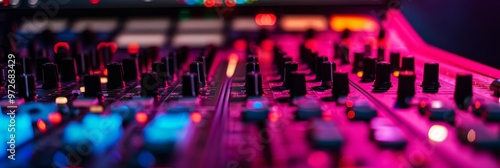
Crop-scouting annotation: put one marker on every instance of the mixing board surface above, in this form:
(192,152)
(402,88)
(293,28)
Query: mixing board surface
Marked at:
(243,92)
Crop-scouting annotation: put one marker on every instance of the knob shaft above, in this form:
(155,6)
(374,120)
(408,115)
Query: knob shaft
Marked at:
(115,76)
(190,86)
(298,84)
(197,67)
(408,63)
(463,90)
(383,76)
(50,76)
(130,64)
(340,86)
(92,85)
(26,87)
(281,66)
(253,84)
(431,77)
(161,70)
(149,85)
(69,73)
(368,70)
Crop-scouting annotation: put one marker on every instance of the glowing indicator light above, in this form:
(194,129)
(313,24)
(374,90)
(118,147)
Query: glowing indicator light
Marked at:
(274,117)
(351,114)
(94,2)
(196,117)
(133,48)
(96,109)
(58,45)
(349,103)
(61,100)
(436,104)
(231,67)
(265,19)
(41,125)
(477,105)
(327,115)
(104,80)
(82,89)
(437,133)
(354,23)
(395,73)
(359,74)
(209,3)
(113,46)
(141,117)
(230,3)
(318,159)
(471,135)
(55,118)
(258,105)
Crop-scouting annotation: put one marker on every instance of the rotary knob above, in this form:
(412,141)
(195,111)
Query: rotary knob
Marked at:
(368,70)
(115,76)
(298,84)
(161,70)
(26,87)
(69,73)
(431,77)
(197,67)
(252,67)
(190,86)
(394,60)
(463,90)
(253,84)
(149,85)
(340,86)
(408,63)
(92,85)
(406,88)
(130,64)
(50,76)
(382,77)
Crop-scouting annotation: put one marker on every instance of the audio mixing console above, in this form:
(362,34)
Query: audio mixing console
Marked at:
(341,98)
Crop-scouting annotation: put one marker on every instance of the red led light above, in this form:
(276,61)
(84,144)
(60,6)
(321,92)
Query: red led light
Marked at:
(196,117)
(265,19)
(240,44)
(230,3)
(209,3)
(65,45)
(141,117)
(6,2)
(94,2)
(41,125)
(112,45)
(55,118)
(318,159)
(133,48)
(274,117)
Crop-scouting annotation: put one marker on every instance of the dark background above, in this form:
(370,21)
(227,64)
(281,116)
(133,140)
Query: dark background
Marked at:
(470,28)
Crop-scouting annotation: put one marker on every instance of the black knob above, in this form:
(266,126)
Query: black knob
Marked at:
(383,76)
(69,72)
(252,67)
(406,88)
(340,87)
(39,68)
(161,70)
(344,51)
(253,84)
(92,85)
(149,85)
(190,86)
(311,62)
(26,87)
(394,60)
(463,90)
(203,60)
(115,76)
(431,77)
(368,69)
(319,67)
(290,67)
(328,69)
(27,66)
(381,54)
(50,76)
(58,57)
(252,58)
(357,65)
(297,84)
(84,63)
(106,54)
(169,61)
(281,66)
(130,64)
(408,63)
(197,67)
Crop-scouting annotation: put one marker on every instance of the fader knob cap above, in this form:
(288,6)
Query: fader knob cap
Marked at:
(253,84)
(115,76)
(149,85)
(383,76)
(408,63)
(252,67)
(69,72)
(92,85)
(190,86)
(368,70)
(463,90)
(340,86)
(298,84)
(130,64)
(197,67)
(431,77)
(50,76)
(26,87)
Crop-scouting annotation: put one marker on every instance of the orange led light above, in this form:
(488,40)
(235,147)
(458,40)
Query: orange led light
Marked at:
(196,117)
(141,117)
(231,67)
(41,125)
(359,74)
(55,117)
(265,19)
(352,22)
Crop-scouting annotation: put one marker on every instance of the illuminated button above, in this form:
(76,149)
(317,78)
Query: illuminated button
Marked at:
(257,109)
(437,133)
(37,110)
(478,136)
(85,102)
(488,111)
(326,135)
(390,137)
(361,110)
(308,108)
(96,109)
(437,111)
(61,100)
(106,130)
(163,132)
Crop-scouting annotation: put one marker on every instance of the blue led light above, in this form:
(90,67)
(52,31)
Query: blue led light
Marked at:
(166,128)
(74,133)
(60,159)
(146,159)
(258,105)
